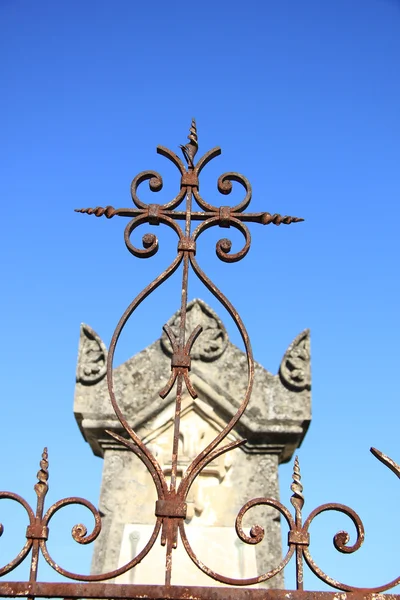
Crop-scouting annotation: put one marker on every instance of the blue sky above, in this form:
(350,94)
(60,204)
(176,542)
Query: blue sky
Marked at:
(303,98)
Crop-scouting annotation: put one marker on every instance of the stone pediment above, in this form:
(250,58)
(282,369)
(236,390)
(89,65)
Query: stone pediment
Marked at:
(199,425)
(275,420)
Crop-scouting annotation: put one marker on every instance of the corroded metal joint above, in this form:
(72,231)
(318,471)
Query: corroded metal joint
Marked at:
(186,243)
(181,359)
(190,179)
(224,216)
(37,531)
(171,508)
(299,537)
(154,212)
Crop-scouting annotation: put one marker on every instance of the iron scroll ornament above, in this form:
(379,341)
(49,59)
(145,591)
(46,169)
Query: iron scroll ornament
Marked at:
(37,535)
(170,510)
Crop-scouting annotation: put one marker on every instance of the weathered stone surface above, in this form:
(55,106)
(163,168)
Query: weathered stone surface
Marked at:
(274,425)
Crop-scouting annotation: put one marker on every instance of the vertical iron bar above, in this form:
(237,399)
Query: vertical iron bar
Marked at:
(168,559)
(297,501)
(182,327)
(171,527)
(299,563)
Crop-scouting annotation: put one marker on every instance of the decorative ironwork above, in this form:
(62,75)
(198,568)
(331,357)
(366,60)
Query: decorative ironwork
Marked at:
(170,509)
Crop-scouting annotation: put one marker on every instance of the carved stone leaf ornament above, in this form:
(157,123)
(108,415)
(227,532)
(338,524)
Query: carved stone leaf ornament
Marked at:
(295,368)
(92,360)
(213,339)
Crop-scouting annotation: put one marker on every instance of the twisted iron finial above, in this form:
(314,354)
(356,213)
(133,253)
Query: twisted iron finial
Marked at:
(297,498)
(277,219)
(41,486)
(99,211)
(189,150)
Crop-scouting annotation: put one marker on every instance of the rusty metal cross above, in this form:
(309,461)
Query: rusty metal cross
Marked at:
(209,216)
(223,216)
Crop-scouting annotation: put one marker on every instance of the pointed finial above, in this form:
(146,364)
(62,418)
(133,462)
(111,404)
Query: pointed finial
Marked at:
(41,486)
(99,211)
(297,499)
(277,219)
(190,149)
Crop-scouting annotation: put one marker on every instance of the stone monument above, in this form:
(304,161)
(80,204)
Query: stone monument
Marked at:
(274,425)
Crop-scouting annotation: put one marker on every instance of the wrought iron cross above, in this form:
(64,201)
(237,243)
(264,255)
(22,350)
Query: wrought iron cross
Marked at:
(210,216)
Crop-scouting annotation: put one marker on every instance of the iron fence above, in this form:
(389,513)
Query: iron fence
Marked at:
(170,507)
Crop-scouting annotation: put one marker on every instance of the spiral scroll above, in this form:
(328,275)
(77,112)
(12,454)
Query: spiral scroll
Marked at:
(224,186)
(224,245)
(255,537)
(28,544)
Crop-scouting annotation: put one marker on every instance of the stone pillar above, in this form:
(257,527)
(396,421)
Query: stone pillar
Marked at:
(274,425)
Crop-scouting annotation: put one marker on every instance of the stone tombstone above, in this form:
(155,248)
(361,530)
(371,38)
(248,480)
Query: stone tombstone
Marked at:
(274,425)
